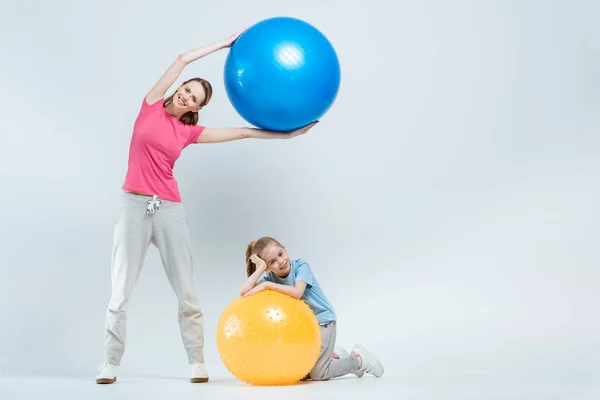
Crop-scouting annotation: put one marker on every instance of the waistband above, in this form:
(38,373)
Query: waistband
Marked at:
(151,203)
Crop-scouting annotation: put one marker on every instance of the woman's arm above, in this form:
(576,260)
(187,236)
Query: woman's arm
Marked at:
(171,75)
(219,135)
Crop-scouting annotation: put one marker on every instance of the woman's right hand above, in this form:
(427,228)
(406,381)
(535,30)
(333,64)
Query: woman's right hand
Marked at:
(233,37)
(259,262)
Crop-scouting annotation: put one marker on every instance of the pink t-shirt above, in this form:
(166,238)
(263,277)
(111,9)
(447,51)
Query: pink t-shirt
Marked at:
(156,144)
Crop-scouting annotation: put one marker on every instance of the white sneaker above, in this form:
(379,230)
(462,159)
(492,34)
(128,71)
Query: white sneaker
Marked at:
(107,374)
(341,352)
(199,374)
(369,363)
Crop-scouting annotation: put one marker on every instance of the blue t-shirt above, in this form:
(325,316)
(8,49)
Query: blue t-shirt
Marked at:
(313,295)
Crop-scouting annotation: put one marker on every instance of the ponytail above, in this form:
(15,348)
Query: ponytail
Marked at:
(250,266)
(189,118)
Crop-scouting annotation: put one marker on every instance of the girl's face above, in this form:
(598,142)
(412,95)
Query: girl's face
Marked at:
(277,259)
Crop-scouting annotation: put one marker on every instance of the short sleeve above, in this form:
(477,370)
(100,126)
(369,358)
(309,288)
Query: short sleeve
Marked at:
(264,278)
(304,273)
(146,106)
(194,133)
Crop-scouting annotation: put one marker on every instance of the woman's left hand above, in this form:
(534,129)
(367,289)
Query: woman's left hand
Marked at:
(258,288)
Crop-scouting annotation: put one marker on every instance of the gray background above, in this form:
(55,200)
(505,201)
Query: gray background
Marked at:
(447,202)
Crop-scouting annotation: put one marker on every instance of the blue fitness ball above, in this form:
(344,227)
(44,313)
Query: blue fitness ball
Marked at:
(282,74)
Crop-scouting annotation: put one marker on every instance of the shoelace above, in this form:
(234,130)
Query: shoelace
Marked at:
(153,205)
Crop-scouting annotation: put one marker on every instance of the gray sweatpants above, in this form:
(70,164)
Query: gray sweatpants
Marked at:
(142,221)
(326,366)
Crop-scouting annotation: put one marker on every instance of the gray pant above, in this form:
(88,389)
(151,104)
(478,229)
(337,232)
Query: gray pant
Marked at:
(326,366)
(142,221)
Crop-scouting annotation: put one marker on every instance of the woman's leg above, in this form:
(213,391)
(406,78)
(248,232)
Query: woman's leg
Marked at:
(172,238)
(133,230)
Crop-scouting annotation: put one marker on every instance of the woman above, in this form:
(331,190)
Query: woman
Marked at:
(152,212)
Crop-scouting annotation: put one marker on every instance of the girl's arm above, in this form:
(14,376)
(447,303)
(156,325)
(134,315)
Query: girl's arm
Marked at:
(294,291)
(219,135)
(171,75)
(251,281)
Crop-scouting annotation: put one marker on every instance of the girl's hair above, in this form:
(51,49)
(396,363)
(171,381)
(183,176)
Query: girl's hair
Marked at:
(255,247)
(190,117)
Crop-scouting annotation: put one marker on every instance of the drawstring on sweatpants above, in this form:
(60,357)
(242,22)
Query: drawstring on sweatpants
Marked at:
(153,205)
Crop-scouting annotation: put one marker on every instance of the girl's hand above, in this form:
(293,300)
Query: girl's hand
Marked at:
(300,131)
(258,288)
(233,37)
(259,262)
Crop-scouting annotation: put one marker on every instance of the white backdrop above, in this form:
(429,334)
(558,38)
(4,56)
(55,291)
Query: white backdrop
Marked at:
(447,202)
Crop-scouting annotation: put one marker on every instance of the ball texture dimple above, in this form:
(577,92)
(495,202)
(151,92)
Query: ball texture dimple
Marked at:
(268,338)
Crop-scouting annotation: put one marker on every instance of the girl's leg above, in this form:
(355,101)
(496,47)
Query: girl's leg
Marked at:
(326,366)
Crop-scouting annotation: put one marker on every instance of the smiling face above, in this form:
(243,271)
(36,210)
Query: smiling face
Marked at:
(190,96)
(188,99)
(277,259)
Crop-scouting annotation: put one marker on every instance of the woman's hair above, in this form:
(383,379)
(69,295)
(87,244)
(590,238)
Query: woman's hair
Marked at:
(190,117)
(255,247)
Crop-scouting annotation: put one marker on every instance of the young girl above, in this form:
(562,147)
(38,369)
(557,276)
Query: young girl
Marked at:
(268,266)
(152,211)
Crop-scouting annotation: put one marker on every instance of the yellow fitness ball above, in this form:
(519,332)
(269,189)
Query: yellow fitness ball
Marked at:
(268,338)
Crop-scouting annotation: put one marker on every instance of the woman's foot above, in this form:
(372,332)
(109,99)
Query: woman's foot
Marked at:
(107,374)
(199,374)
